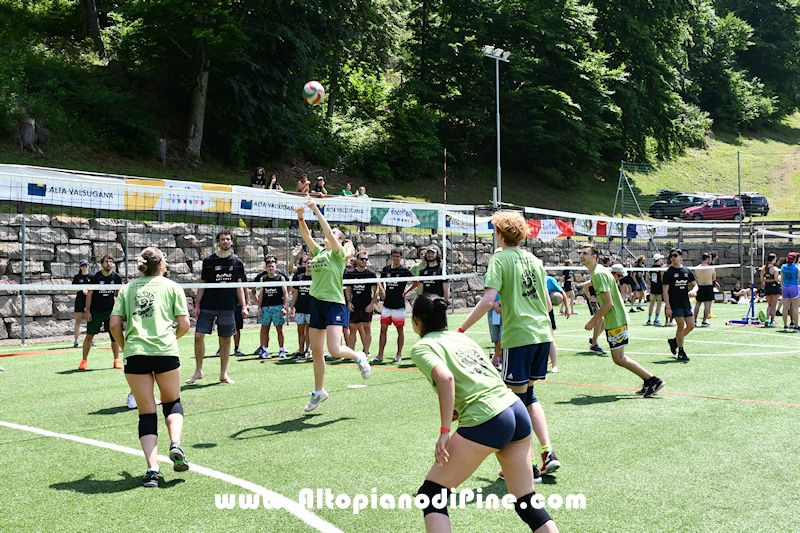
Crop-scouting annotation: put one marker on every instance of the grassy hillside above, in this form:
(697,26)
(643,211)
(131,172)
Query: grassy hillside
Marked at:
(770,164)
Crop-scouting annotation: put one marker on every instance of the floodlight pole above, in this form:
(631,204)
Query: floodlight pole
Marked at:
(498,54)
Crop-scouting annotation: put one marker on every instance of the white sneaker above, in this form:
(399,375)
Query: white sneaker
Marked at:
(282,353)
(366,371)
(554,370)
(315,400)
(131,403)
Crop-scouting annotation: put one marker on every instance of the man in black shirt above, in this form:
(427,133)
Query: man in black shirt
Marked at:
(433,267)
(218,305)
(301,308)
(258,179)
(82,277)
(319,189)
(394,303)
(678,283)
(99,305)
(273,302)
(361,298)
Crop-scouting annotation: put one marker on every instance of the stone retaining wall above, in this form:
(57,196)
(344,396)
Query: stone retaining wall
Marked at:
(55,245)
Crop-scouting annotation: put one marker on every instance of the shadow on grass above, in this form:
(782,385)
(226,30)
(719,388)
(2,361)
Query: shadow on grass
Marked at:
(670,361)
(112,410)
(287,426)
(590,400)
(87,485)
(76,371)
(204,445)
(195,386)
(589,352)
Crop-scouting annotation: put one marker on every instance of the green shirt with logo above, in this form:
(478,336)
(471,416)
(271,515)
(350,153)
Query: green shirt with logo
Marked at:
(520,279)
(149,305)
(603,281)
(480,392)
(327,269)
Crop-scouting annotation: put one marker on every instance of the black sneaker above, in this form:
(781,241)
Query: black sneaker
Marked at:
(151,478)
(644,387)
(682,356)
(653,387)
(178,458)
(596,349)
(537,477)
(550,463)
(673,345)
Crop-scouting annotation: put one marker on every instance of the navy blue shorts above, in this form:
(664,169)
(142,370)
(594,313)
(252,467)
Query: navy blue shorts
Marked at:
(511,425)
(324,314)
(685,312)
(226,324)
(525,363)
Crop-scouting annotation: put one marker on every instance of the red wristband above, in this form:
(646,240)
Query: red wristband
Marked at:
(460,329)
(444,430)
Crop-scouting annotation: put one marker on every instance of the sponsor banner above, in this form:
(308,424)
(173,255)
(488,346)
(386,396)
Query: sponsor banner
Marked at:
(405,217)
(65,191)
(458,222)
(549,229)
(181,196)
(605,228)
(270,204)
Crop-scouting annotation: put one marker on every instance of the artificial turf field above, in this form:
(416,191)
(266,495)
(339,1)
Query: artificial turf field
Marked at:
(715,451)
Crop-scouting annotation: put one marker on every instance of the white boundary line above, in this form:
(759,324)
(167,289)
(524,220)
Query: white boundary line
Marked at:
(277,500)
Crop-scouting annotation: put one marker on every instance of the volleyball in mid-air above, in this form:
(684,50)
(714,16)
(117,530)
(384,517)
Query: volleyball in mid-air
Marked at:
(556,298)
(313,92)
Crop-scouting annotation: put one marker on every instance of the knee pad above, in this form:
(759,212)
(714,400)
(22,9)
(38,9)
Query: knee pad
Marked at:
(535,518)
(439,492)
(148,425)
(527,397)
(172,408)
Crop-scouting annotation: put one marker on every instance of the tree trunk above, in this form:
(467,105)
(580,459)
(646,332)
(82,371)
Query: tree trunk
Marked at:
(93,24)
(333,85)
(198,116)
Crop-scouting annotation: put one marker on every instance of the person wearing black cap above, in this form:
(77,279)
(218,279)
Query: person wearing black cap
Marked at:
(433,267)
(81,278)
(319,189)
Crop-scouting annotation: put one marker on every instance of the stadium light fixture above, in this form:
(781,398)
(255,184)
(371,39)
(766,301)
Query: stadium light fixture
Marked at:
(498,54)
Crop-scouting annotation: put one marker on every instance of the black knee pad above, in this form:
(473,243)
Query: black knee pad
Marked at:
(535,518)
(527,396)
(171,408)
(434,490)
(148,425)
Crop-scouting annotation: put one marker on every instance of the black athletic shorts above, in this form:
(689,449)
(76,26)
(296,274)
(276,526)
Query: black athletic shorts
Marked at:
(151,364)
(705,293)
(772,287)
(360,316)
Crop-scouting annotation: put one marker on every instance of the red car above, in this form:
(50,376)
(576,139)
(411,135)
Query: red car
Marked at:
(719,208)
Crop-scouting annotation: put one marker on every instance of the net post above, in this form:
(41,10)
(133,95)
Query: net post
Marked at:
(22,279)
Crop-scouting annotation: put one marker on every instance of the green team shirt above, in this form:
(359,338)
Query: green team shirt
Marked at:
(520,279)
(416,268)
(149,305)
(327,268)
(480,392)
(603,281)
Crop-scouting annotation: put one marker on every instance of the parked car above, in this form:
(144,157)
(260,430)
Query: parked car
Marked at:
(754,203)
(719,208)
(674,206)
(666,194)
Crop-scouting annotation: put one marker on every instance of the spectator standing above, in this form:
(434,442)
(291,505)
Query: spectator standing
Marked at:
(81,278)
(433,267)
(300,309)
(791,292)
(568,305)
(99,305)
(273,303)
(258,179)
(706,278)
(678,283)
(656,289)
(361,298)
(218,305)
(394,303)
(771,283)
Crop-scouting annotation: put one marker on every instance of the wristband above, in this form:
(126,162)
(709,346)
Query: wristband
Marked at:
(197,305)
(444,430)
(461,330)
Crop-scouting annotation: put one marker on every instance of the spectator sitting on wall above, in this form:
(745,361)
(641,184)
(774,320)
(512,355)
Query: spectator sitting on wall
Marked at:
(362,193)
(257,180)
(347,191)
(273,183)
(303,184)
(319,189)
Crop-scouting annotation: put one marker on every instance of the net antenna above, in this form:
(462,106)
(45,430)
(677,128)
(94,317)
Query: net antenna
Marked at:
(634,210)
